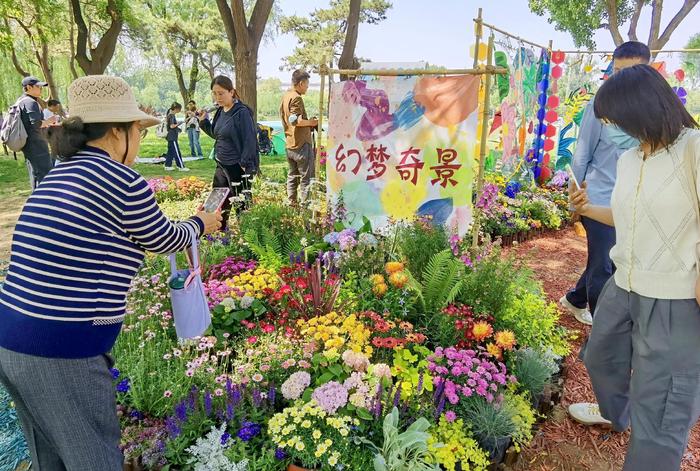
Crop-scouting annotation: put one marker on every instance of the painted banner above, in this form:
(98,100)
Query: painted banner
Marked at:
(401,147)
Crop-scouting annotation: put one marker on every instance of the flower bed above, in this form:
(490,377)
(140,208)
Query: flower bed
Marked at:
(328,345)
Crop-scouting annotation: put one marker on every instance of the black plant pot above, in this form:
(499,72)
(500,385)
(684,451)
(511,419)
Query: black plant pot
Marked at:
(496,448)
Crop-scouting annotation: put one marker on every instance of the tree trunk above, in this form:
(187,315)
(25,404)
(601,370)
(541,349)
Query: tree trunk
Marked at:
(180,78)
(43,58)
(71,42)
(246,78)
(347,57)
(194,76)
(100,55)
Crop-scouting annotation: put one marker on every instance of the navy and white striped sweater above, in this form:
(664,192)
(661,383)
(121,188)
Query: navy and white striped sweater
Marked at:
(78,243)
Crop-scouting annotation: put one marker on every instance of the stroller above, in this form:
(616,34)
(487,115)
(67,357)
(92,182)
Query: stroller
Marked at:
(265,140)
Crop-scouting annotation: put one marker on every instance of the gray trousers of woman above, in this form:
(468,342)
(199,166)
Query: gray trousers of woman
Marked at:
(643,357)
(67,409)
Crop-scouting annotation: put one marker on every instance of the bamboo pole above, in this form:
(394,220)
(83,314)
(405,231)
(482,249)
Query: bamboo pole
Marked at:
(478,32)
(488,70)
(517,38)
(482,144)
(320,122)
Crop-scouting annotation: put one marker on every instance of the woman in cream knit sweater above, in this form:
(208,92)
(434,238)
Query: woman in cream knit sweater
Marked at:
(643,355)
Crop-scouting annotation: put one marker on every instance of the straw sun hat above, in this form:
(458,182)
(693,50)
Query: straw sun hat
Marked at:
(105,99)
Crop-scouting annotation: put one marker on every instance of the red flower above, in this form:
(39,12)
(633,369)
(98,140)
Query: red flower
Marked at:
(277,296)
(378,342)
(285,289)
(268,328)
(252,339)
(301,284)
(308,298)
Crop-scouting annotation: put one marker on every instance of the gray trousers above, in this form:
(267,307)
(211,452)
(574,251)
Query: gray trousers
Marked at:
(67,410)
(302,167)
(643,357)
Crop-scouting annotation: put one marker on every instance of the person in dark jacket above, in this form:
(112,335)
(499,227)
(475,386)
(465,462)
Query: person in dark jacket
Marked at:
(235,133)
(173,134)
(36,150)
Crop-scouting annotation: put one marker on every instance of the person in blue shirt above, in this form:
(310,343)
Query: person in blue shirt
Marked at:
(595,161)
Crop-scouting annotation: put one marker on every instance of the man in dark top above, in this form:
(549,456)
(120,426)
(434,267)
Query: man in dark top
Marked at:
(36,150)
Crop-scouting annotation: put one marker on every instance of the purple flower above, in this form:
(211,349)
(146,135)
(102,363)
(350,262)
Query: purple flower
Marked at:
(225,437)
(280,454)
(331,396)
(272,394)
(248,431)
(207,403)
(172,427)
(229,411)
(115,373)
(123,386)
(181,411)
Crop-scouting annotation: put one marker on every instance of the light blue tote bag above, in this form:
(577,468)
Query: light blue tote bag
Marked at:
(190,308)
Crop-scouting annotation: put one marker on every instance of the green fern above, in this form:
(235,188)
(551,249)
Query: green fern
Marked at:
(442,282)
(266,247)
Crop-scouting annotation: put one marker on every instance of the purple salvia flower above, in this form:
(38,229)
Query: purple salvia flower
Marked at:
(207,403)
(272,394)
(397,395)
(229,412)
(172,427)
(236,396)
(257,398)
(440,407)
(181,411)
(419,389)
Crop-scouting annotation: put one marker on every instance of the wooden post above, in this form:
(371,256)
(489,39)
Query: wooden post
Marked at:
(482,147)
(322,70)
(477,42)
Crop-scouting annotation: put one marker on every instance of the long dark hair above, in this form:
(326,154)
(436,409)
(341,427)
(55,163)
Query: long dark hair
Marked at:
(225,83)
(640,101)
(175,106)
(71,136)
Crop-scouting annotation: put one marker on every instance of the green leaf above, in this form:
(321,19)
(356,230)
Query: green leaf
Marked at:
(325,377)
(336,369)
(364,414)
(241,315)
(306,397)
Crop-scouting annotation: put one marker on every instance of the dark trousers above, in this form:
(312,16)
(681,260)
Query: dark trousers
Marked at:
(38,166)
(232,176)
(174,153)
(599,267)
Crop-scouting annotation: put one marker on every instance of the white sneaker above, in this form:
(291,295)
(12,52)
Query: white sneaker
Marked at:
(183,169)
(169,169)
(582,315)
(587,413)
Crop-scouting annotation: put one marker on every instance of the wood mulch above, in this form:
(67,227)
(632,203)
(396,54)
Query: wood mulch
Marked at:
(560,443)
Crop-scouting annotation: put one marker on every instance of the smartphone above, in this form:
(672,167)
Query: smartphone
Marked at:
(215,199)
(572,177)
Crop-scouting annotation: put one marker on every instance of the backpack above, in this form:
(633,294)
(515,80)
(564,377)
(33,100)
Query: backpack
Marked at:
(13,133)
(162,129)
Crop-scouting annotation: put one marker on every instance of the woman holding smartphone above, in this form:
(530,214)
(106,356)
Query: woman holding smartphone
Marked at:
(235,133)
(643,354)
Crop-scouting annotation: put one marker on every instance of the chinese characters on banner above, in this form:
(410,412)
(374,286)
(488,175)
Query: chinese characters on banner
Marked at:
(401,147)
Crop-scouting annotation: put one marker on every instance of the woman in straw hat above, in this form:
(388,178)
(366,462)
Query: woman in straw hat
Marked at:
(78,243)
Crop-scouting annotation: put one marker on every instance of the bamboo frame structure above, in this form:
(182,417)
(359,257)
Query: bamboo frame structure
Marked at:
(654,51)
(478,33)
(506,33)
(488,70)
(482,143)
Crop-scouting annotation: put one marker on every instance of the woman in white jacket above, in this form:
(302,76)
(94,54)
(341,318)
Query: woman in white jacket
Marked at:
(643,355)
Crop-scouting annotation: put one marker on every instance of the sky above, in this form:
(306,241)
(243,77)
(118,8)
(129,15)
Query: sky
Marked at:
(441,32)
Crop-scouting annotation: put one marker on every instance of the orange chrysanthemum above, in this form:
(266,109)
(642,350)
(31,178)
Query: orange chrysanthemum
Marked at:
(393,267)
(482,330)
(398,279)
(380,289)
(494,350)
(505,339)
(377,279)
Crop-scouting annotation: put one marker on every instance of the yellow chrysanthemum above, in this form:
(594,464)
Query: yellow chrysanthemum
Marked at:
(482,330)
(505,339)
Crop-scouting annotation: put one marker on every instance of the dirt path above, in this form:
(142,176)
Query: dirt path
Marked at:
(9,212)
(562,444)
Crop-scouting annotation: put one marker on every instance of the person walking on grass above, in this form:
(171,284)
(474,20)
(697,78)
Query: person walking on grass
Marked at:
(172,138)
(192,126)
(595,159)
(297,130)
(643,354)
(79,242)
(237,157)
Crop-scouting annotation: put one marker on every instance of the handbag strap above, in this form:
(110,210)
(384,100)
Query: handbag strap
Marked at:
(690,161)
(195,255)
